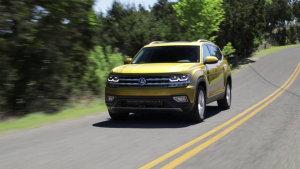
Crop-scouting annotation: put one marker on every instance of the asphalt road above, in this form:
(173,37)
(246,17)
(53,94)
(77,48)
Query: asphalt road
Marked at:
(269,139)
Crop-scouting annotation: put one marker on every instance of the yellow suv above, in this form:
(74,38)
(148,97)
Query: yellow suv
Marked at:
(177,77)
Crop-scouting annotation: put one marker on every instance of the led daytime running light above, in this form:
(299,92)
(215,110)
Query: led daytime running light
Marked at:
(179,78)
(113,78)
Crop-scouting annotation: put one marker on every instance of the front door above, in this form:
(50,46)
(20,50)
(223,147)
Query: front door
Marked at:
(218,82)
(211,73)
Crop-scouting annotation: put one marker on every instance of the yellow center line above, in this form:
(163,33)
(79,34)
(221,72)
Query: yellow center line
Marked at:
(202,146)
(183,147)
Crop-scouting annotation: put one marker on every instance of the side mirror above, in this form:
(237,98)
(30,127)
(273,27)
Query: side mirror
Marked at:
(127,61)
(211,60)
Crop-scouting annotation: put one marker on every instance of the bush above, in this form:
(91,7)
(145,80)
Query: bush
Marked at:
(281,36)
(228,50)
(274,42)
(100,62)
(258,41)
(292,35)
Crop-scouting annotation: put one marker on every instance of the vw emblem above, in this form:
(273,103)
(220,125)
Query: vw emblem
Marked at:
(142,81)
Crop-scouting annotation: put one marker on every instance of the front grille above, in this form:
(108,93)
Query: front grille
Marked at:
(151,81)
(150,103)
(134,81)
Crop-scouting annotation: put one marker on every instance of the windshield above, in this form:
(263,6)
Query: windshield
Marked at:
(168,54)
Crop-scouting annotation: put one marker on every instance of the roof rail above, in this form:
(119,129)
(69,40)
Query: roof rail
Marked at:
(179,41)
(203,40)
(154,42)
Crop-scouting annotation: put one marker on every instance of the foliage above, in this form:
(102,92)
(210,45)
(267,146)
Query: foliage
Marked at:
(203,17)
(281,36)
(44,45)
(277,13)
(296,10)
(240,27)
(256,42)
(165,15)
(228,50)
(129,29)
(100,62)
(292,35)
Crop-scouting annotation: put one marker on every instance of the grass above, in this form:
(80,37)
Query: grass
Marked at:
(36,120)
(74,112)
(259,54)
(271,50)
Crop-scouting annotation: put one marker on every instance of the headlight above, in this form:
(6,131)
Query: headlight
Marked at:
(113,78)
(180,78)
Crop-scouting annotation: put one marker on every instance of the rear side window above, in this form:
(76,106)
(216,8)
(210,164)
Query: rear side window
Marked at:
(215,52)
(205,52)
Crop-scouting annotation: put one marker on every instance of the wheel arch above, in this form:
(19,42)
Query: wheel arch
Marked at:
(202,82)
(229,80)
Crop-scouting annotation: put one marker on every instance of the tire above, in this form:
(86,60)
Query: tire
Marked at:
(198,112)
(225,102)
(119,116)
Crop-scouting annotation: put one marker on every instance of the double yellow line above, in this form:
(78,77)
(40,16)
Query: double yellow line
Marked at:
(202,146)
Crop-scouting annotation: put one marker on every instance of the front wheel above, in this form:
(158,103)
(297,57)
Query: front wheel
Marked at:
(197,114)
(225,102)
(119,116)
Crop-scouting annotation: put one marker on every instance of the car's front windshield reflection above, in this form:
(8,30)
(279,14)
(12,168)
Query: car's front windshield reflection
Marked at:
(168,54)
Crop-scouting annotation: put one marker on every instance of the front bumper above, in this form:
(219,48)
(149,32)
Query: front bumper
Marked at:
(139,104)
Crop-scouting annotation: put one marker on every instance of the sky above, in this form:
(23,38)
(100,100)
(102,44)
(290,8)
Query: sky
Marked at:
(103,5)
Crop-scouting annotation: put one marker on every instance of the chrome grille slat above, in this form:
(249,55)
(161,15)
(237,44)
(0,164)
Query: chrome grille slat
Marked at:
(156,84)
(122,79)
(157,79)
(128,84)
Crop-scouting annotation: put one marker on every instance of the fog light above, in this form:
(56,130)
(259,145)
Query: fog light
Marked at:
(110,98)
(180,99)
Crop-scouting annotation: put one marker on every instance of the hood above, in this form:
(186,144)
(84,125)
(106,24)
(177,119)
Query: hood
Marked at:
(156,68)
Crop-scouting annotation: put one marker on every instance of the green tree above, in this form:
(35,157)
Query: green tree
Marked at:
(129,29)
(281,36)
(292,35)
(100,62)
(45,45)
(240,27)
(228,50)
(202,17)
(277,13)
(166,17)
(296,10)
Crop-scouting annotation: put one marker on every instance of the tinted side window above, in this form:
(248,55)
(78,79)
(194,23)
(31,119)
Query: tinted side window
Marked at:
(212,50)
(218,53)
(215,52)
(205,52)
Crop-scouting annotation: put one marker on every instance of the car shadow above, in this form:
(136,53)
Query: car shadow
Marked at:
(155,120)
